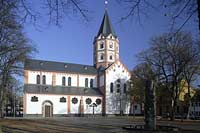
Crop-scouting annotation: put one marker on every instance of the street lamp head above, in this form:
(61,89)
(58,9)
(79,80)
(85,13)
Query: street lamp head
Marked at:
(94,104)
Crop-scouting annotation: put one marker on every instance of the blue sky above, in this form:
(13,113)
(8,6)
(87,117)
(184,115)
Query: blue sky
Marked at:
(73,41)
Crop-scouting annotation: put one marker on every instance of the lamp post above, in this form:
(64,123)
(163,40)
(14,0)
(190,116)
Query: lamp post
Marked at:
(93,105)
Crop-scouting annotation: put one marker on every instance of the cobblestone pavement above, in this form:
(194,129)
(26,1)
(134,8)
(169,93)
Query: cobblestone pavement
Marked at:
(85,124)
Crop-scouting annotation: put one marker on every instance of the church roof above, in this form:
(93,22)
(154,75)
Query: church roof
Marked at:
(52,66)
(63,90)
(106,26)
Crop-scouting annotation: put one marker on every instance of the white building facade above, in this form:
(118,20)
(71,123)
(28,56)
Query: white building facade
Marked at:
(62,89)
(194,110)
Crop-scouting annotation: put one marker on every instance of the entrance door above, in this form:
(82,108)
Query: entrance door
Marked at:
(47,111)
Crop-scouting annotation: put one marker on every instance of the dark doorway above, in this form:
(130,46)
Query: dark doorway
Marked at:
(47,111)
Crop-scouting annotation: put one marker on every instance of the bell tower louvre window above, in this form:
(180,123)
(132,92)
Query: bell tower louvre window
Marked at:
(101,46)
(101,57)
(111,57)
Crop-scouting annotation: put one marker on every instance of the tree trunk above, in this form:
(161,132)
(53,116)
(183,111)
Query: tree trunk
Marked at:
(1,103)
(189,102)
(2,94)
(150,106)
(174,99)
(172,110)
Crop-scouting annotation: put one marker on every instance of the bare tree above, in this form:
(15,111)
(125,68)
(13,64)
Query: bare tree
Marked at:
(14,49)
(177,10)
(13,97)
(52,10)
(167,57)
(191,70)
(183,10)
(136,8)
(140,74)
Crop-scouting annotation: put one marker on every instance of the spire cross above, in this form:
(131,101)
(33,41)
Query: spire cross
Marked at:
(106,4)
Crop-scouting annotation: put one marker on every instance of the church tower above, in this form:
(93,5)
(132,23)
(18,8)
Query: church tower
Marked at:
(106,44)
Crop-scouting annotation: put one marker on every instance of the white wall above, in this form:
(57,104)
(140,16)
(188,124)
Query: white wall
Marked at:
(95,82)
(117,71)
(60,75)
(32,76)
(88,109)
(82,80)
(99,56)
(110,42)
(36,107)
(48,77)
(195,108)
(110,53)
(74,78)
(75,108)
(99,43)
(102,80)
(59,107)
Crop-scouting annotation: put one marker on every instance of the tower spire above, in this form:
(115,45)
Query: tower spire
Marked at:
(106,26)
(106,43)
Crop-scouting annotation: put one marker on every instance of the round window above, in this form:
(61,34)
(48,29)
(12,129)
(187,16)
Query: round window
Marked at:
(74,100)
(88,101)
(98,101)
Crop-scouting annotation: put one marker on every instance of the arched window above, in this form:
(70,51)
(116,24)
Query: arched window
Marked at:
(63,81)
(125,88)
(86,82)
(44,79)
(38,79)
(69,81)
(91,83)
(118,80)
(118,83)
(111,87)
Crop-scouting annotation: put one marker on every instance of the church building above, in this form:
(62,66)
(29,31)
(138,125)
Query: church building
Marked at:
(65,89)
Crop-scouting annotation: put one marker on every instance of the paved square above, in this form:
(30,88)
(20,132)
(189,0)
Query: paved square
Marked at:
(84,124)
